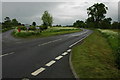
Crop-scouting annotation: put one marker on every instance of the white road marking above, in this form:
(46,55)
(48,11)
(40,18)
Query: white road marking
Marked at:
(68,50)
(78,41)
(49,42)
(7,54)
(50,63)
(64,53)
(35,73)
(59,57)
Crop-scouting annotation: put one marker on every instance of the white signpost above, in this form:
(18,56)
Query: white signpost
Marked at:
(27,26)
(37,28)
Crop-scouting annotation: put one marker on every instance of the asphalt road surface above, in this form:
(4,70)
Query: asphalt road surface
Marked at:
(39,58)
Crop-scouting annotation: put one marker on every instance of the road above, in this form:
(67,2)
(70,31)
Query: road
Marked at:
(39,58)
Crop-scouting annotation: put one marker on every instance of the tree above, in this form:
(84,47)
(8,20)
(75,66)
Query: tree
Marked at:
(106,23)
(7,23)
(34,23)
(115,25)
(96,13)
(14,22)
(47,19)
(79,23)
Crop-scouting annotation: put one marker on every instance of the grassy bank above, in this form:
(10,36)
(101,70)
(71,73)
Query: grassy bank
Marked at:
(113,39)
(48,32)
(94,58)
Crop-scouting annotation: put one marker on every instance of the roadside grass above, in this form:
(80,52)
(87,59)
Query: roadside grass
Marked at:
(46,33)
(94,58)
(113,38)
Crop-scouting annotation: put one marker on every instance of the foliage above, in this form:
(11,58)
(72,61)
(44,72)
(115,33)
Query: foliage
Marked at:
(97,12)
(34,23)
(106,23)
(7,23)
(48,32)
(24,33)
(47,19)
(79,23)
(14,22)
(115,25)
(96,16)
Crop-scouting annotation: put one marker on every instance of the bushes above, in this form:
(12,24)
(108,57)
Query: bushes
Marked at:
(25,33)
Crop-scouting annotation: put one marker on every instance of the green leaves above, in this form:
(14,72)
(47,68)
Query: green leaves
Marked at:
(47,19)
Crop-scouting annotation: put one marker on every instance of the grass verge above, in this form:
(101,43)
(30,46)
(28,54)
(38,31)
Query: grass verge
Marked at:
(46,33)
(94,58)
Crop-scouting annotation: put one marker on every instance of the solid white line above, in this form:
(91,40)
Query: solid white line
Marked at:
(49,42)
(77,42)
(59,57)
(64,53)
(50,63)
(68,50)
(35,73)
(6,54)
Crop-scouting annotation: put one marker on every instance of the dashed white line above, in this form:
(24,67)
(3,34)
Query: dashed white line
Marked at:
(50,63)
(68,50)
(7,54)
(59,57)
(65,53)
(35,73)
(49,42)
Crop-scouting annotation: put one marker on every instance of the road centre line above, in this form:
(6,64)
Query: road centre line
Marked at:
(38,71)
(68,50)
(35,73)
(50,63)
(49,42)
(65,53)
(7,54)
(59,57)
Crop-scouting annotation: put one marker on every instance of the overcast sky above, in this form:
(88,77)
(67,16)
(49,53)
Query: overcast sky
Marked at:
(63,12)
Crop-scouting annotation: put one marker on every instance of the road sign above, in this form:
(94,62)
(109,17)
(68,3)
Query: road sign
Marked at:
(37,27)
(27,26)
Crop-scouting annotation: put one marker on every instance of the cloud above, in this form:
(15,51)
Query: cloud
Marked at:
(64,13)
(60,0)
(119,11)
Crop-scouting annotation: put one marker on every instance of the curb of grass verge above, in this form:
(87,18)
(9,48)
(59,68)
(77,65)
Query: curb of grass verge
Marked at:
(70,62)
(71,67)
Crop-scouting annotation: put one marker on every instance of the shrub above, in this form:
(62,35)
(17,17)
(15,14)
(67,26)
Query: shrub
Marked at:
(32,28)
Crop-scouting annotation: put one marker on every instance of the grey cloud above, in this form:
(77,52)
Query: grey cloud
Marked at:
(62,12)
(119,11)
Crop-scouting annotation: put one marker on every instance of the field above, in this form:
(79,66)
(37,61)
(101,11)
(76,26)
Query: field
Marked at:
(95,57)
(48,32)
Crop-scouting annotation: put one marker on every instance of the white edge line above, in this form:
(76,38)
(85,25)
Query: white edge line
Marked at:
(35,73)
(77,41)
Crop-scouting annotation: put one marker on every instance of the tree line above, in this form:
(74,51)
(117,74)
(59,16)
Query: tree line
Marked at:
(97,19)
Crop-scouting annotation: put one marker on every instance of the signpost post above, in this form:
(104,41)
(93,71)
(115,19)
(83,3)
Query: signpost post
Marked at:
(38,29)
(27,26)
